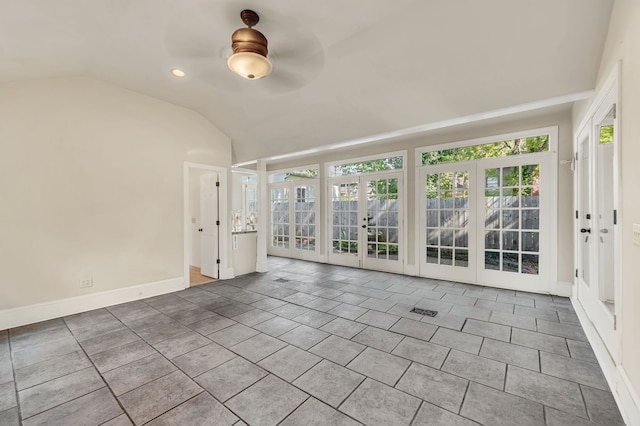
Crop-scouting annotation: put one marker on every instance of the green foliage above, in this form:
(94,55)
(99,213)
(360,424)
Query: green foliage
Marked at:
(606,134)
(391,163)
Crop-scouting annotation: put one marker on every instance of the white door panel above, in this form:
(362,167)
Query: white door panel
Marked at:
(209,230)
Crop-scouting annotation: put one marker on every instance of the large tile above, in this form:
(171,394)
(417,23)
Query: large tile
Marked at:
(602,406)
(95,408)
(379,339)
(233,309)
(457,340)
(376,404)
(444,319)
(276,326)
(7,396)
(471,312)
(459,300)
(560,418)
(300,298)
(233,335)
(377,304)
(108,341)
(543,342)
(581,350)
(47,395)
(258,347)
(476,368)
(343,328)
(353,299)
(181,344)
(268,304)
(44,351)
(582,372)
(315,413)
(417,329)
(430,415)
(329,382)
(21,341)
(337,349)
(528,323)
(516,300)
(321,304)
(423,352)
(439,388)
(511,354)
(314,318)
(378,319)
(289,311)
(506,308)
(6,367)
(289,363)
(153,399)
(121,420)
(203,359)
(230,378)
(50,369)
(117,357)
(253,317)
(348,311)
(138,373)
(544,314)
(304,337)
(547,390)
(132,311)
(10,417)
(211,325)
(569,331)
(267,402)
(202,410)
(491,407)
(379,365)
(487,329)
(189,316)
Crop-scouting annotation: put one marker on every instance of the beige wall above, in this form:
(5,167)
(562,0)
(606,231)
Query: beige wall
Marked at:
(623,44)
(91,183)
(560,116)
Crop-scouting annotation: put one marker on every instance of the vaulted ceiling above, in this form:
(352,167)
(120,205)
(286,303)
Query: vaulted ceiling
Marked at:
(343,69)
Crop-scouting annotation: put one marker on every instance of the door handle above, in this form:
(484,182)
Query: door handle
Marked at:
(585,230)
(364,226)
(200,230)
(604,231)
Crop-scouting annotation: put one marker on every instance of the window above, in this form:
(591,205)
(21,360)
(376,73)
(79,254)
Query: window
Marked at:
(368,166)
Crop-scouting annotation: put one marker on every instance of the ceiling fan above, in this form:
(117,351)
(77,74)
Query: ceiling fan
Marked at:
(294,56)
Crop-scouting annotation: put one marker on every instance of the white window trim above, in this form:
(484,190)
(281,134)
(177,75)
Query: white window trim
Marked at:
(329,166)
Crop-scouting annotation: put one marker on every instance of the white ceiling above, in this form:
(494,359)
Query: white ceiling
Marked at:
(343,69)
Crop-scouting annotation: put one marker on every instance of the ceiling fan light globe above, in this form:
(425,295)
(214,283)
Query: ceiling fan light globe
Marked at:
(249,65)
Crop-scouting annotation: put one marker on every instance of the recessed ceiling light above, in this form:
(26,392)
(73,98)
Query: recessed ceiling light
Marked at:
(177,73)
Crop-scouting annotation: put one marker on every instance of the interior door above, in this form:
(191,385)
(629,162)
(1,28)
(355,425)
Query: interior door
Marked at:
(366,221)
(447,243)
(209,231)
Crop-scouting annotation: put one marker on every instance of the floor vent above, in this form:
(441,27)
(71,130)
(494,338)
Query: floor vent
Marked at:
(281,280)
(426,312)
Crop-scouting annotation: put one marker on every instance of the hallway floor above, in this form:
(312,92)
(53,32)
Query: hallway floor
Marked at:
(309,344)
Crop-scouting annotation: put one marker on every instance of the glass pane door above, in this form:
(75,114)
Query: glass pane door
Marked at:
(305,217)
(280,217)
(344,222)
(448,234)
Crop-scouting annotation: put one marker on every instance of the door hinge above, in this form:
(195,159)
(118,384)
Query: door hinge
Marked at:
(615,217)
(217,223)
(576,214)
(615,111)
(218,183)
(576,272)
(218,261)
(615,322)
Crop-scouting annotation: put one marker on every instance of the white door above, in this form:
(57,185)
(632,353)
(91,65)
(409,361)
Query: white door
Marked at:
(489,222)
(294,230)
(366,221)
(449,236)
(209,231)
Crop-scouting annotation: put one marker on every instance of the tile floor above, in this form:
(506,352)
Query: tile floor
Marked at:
(309,344)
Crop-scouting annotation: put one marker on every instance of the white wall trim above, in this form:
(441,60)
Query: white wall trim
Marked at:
(226,273)
(564,289)
(30,314)
(625,395)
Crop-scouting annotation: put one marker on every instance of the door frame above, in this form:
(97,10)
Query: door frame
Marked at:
(226,269)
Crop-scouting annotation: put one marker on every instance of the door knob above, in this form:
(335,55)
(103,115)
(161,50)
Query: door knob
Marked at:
(364,226)
(200,230)
(587,230)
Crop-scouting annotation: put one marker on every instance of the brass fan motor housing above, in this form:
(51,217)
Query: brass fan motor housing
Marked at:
(249,40)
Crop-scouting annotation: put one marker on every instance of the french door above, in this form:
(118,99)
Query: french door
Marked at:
(596,220)
(489,222)
(366,221)
(294,211)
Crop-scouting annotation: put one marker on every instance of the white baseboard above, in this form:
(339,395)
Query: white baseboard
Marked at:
(564,289)
(625,395)
(262,266)
(16,317)
(411,270)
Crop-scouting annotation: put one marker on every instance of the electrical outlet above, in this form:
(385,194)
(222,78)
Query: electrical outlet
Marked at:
(86,283)
(636,234)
